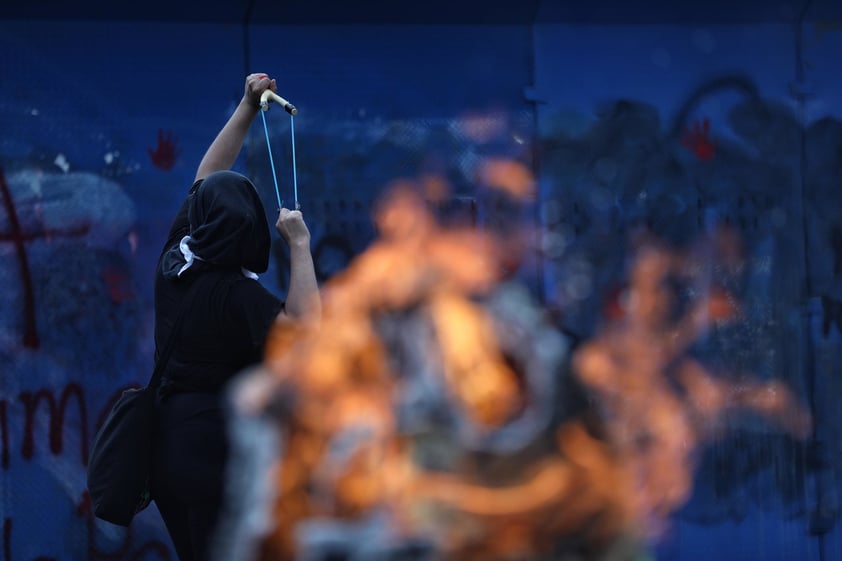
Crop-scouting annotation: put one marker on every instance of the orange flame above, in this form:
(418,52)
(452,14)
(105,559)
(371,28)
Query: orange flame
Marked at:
(513,178)
(659,403)
(345,454)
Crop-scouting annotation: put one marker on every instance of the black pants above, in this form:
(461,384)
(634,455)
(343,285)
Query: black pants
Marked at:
(189,471)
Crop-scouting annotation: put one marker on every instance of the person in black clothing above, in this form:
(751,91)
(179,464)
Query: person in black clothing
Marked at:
(218,242)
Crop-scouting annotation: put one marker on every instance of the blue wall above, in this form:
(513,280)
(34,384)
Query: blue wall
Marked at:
(103,125)
(617,127)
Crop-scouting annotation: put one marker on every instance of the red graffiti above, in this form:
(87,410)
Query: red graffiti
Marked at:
(30,333)
(118,284)
(57,411)
(19,238)
(57,419)
(165,154)
(127,550)
(697,140)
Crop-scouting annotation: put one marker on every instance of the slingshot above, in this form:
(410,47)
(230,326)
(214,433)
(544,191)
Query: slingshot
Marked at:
(265,98)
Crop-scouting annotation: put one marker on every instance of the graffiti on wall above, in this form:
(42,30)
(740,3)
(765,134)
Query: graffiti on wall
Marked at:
(72,334)
(77,330)
(75,326)
(766,182)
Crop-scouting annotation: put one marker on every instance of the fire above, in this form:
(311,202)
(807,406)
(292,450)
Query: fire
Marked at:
(513,178)
(474,367)
(660,404)
(408,405)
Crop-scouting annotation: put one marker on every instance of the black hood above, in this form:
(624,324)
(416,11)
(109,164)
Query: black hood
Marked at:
(228,227)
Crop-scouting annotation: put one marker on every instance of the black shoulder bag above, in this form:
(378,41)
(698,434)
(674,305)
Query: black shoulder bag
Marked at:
(120,461)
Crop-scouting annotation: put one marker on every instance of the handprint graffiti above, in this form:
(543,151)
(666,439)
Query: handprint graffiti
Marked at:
(697,140)
(166,152)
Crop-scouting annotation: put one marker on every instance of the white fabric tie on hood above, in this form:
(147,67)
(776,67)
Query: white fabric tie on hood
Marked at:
(190,258)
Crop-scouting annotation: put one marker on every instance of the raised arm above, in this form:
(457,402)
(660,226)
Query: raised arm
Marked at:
(223,151)
(303,298)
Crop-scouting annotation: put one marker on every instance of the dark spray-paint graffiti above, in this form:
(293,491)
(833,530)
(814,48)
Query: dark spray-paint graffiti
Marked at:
(19,238)
(57,403)
(166,152)
(689,177)
(73,301)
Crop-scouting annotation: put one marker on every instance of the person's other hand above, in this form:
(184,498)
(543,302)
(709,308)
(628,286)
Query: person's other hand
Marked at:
(291,227)
(256,84)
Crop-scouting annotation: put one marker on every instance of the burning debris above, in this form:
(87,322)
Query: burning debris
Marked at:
(658,403)
(421,417)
